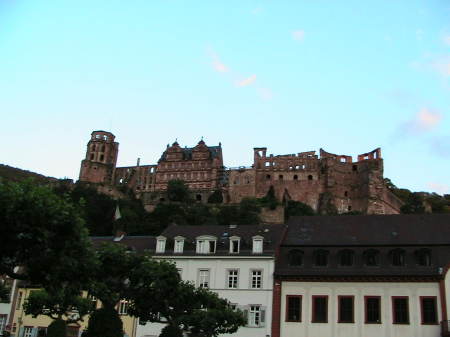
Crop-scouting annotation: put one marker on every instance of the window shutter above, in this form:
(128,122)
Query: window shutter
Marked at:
(34,332)
(21,332)
(245,311)
(263,317)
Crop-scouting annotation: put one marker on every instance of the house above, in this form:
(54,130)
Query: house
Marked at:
(236,262)
(371,276)
(5,308)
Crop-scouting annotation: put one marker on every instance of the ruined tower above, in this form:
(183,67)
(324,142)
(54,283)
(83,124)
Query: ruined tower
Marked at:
(101,157)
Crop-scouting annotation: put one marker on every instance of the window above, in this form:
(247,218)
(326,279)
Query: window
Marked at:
(256,279)
(346,309)
(268,177)
(203,278)
(428,308)
(295,257)
(321,258)
(178,245)
(256,316)
(295,177)
(423,257)
(397,257)
(160,244)
(310,177)
(234,245)
(372,306)
(123,307)
(346,257)
(400,310)
(293,308)
(2,324)
(257,244)
(319,309)
(232,278)
(28,331)
(206,245)
(371,257)
(280,177)
(93,300)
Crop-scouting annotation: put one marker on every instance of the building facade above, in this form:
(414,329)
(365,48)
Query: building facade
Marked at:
(236,263)
(327,182)
(363,276)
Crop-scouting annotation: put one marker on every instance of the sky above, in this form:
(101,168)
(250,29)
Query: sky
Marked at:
(346,76)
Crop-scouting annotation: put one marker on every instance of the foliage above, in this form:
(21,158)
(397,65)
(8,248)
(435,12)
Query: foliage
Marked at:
(216,197)
(8,173)
(105,322)
(297,208)
(326,206)
(4,293)
(269,200)
(171,331)
(177,190)
(57,305)
(57,328)
(45,234)
(414,205)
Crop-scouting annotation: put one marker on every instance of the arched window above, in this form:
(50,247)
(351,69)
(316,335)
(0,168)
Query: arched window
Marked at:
(397,257)
(295,177)
(268,177)
(310,177)
(346,257)
(321,258)
(280,177)
(371,257)
(295,257)
(423,257)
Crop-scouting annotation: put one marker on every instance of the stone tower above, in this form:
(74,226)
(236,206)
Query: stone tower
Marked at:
(101,157)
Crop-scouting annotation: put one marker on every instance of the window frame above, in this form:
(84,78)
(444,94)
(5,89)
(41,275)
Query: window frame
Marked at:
(229,276)
(397,257)
(340,297)
(160,244)
(436,313)
(288,297)
(257,249)
(122,308)
(346,253)
(321,253)
(235,239)
(376,256)
(366,298)
(199,282)
(313,308)
(205,241)
(3,322)
(394,315)
(295,254)
(253,276)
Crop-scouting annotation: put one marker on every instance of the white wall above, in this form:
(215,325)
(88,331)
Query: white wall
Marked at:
(242,296)
(359,328)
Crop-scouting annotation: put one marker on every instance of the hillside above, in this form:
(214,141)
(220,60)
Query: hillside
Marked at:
(15,174)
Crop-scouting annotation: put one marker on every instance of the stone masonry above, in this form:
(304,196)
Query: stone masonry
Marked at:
(325,182)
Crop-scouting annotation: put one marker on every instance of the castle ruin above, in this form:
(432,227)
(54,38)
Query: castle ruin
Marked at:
(321,181)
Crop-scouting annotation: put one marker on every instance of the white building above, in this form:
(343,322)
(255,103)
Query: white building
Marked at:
(237,263)
(371,276)
(5,308)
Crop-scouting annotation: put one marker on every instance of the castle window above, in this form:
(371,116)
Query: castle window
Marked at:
(295,177)
(423,257)
(102,157)
(295,257)
(92,156)
(346,193)
(355,168)
(198,197)
(268,177)
(321,258)
(103,148)
(349,208)
(371,257)
(310,177)
(280,177)
(267,164)
(346,257)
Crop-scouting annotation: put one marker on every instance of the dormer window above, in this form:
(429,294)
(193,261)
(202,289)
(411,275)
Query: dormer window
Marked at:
(206,245)
(178,244)
(160,244)
(234,244)
(257,244)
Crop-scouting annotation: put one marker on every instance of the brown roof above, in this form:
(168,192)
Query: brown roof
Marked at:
(354,230)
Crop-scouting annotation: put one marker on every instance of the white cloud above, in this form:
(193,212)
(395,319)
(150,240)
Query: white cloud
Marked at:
(425,120)
(246,81)
(265,93)
(216,63)
(298,35)
(439,188)
(442,66)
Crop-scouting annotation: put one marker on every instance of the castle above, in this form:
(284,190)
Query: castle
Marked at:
(325,181)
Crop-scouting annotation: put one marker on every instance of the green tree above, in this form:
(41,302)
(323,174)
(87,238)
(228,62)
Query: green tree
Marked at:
(57,328)
(178,191)
(297,208)
(414,204)
(249,210)
(45,234)
(105,322)
(270,200)
(216,197)
(4,294)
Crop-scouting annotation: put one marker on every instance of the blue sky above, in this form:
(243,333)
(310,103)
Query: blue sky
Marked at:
(347,76)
